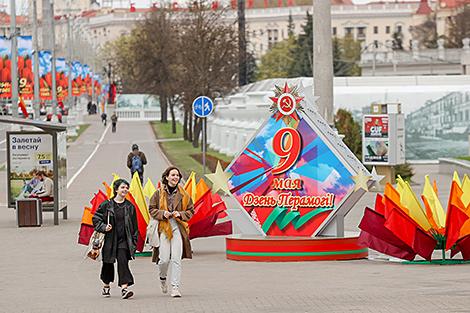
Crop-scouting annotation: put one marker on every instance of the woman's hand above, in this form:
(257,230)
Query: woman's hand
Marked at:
(176,214)
(109,227)
(167,214)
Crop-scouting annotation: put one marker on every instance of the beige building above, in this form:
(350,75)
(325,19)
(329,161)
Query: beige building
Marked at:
(374,24)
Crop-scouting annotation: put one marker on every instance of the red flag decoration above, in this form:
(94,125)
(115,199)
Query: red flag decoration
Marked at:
(132,8)
(250,4)
(456,217)
(141,224)
(266,3)
(290,3)
(86,226)
(209,211)
(393,228)
(233,4)
(375,235)
(279,3)
(215,5)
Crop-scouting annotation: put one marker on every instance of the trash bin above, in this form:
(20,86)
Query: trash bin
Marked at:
(29,212)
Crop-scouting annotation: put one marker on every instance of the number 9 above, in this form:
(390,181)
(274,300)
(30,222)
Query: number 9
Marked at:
(286,144)
(23,82)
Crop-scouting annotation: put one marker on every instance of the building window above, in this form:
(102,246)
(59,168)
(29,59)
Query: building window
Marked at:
(348,31)
(334,31)
(376,43)
(376,29)
(399,29)
(387,29)
(361,33)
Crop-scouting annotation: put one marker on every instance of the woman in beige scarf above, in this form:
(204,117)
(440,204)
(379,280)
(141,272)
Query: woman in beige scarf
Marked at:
(172,207)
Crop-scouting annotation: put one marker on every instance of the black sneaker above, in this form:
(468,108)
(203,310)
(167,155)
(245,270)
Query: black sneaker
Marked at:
(106,292)
(126,294)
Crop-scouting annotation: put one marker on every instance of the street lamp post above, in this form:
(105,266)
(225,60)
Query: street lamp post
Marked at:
(36,101)
(54,82)
(14,60)
(323,58)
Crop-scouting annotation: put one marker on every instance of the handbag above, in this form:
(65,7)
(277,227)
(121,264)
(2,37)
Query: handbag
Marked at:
(152,238)
(96,244)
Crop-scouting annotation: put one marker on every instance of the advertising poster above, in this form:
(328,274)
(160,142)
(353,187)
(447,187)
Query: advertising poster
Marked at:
(45,75)
(376,126)
(86,78)
(5,67)
(288,179)
(83,87)
(25,67)
(376,151)
(76,78)
(27,153)
(62,80)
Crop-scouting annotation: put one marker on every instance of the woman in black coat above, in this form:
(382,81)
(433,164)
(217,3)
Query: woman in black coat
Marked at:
(120,239)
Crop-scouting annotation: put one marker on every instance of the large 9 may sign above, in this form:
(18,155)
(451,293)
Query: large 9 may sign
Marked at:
(291,178)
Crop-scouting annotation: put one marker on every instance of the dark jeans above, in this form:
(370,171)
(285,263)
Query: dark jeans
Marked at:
(124,273)
(114,127)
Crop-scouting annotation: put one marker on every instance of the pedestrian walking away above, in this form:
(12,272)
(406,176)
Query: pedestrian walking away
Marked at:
(171,205)
(136,161)
(120,239)
(114,120)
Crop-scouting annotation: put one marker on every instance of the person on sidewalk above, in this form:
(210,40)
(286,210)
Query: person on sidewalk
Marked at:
(104,118)
(173,208)
(114,119)
(136,161)
(120,239)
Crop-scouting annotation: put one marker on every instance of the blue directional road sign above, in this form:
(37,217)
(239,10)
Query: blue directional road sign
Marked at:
(203,106)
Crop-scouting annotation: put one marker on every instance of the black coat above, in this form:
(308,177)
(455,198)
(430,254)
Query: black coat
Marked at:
(100,219)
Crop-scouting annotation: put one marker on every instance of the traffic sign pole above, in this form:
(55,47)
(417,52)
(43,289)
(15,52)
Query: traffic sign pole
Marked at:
(203,107)
(204,146)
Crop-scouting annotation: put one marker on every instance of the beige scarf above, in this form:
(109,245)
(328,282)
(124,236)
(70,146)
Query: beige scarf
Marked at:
(164,226)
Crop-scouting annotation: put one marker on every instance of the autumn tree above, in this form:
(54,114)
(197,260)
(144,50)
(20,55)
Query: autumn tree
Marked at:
(208,53)
(459,28)
(426,32)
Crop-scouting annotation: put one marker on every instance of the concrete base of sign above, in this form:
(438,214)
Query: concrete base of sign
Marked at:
(291,249)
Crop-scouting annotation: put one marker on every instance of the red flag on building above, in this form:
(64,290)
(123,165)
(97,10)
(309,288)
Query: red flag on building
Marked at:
(250,4)
(266,3)
(279,3)
(132,8)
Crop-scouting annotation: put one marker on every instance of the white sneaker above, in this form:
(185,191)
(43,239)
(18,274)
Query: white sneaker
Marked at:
(163,286)
(175,293)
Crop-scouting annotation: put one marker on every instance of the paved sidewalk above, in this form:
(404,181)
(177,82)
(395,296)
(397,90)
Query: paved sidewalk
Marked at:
(43,269)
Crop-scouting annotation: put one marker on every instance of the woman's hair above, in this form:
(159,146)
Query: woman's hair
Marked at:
(167,172)
(118,183)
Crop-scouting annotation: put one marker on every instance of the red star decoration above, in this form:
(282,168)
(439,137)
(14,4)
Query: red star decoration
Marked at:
(275,99)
